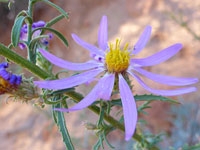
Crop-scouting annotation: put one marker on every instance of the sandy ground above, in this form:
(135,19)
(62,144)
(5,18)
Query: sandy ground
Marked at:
(25,127)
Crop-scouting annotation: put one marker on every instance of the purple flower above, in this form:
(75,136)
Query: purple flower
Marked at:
(24,35)
(8,81)
(114,63)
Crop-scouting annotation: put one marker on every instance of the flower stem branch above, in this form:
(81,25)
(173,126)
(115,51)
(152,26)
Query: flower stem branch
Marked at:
(6,52)
(11,55)
(30,13)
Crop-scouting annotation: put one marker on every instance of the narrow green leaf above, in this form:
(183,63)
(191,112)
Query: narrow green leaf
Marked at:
(152,97)
(22,13)
(55,6)
(62,126)
(145,97)
(100,116)
(105,139)
(54,20)
(61,91)
(60,36)
(97,145)
(46,101)
(54,113)
(34,41)
(38,38)
(16,30)
(63,130)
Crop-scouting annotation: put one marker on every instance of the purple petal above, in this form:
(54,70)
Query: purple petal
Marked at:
(4,74)
(90,98)
(107,86)
(37,33)
(164,92)
(158,57)
(24,28)
(70,81)
(103,34)
(167,79)
(38,24)
(129,108)
(50,36)
(19,79)
(22,45)
(141,43)
(4,65)
(68,65)
(12,79)
(91,48)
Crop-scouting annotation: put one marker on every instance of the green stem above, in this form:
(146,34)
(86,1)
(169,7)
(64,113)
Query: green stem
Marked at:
(30,8)
(78,97)
(11,55)
(30,13)
(4,51)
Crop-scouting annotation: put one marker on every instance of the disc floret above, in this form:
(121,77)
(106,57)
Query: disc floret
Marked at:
(117,61)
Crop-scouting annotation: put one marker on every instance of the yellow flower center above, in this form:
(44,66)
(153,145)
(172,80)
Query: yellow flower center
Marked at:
(117,60)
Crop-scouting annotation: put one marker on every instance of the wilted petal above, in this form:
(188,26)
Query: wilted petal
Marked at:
(91,48)
(158,57)
(129,108)
(141,43)
(89,99)
(70,81)
(68,65)
(106,86)
(178,81)
(164,92)
(103,34)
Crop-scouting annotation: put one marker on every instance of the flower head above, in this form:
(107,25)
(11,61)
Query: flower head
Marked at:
(117,60)
(8,81)
(35,25)
(114,62)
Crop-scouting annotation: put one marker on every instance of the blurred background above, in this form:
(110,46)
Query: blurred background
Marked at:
(25,127)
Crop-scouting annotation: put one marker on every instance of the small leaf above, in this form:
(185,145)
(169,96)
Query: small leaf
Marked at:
(60,36)
(61,91)
(55,6)
(60,120)
(152,97)
(105,139)
(22,13)
(54,20)
(16,30)
(101,115)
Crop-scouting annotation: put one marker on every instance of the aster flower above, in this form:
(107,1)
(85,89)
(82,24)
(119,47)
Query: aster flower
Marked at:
(114,64)
(8,81)
(24,35)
